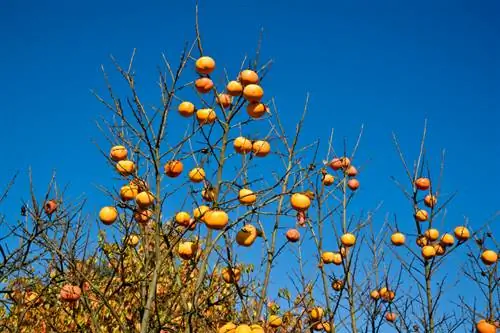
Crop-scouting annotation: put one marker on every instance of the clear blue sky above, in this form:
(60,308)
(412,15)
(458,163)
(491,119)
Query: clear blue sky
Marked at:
(387,64)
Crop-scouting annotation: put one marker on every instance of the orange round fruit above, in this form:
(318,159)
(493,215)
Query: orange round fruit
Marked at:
(316,313)
(108,215)
(206,116)
(257,110)
(375,295)
(293,235)
(398,239)
(261,148)
(462,233)
(300,202)
(351,171)
(348,239)
(423,183)
(328,179)
(489,257)
(125,167)
(391,317)
(173,168)
(432,234)
(242,145)
(430,200)
(200,212)
(447,240)
(234,88)
(216,219)
(186,109)
(340,163)
(428,252)
(421,215)
(203,85)
(205,65)
(275,321)
(247,235)
(353,184)
(231,275)
(246,196)
(144,199)
(197,175)
(118,153)
(183,218)
(248,76)
(187,250)
(485,327)
(253,93)
(224,100)
(128,192)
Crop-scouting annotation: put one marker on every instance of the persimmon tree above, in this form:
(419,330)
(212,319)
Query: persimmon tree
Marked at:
(208,171)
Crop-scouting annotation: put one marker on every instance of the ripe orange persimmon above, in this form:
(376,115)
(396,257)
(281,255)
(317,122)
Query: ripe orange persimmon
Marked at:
(300,202)
(247,235)
(183,218)
(206,116)
(205,65)
(340,163)
(132,240)
(246,196)
(256,110)
(203,85)
(489,257)
(253,93)
(430,200)
(432,234)
(353,184)
(261,148)
(248,76)
(316,313)
(231,275)
(200,212)
(128,192)
(144,199)
(186,109)
(462,233)
(243,329)
(173,168)
(328,179)
(391,317)
(108,215)
(293,235)
(125,167)
(485,327)
(234,88)
(423,183)
(428,252)
(50,207)
(348,239)
(375,295)
(242,145)
(447,240)
(398,239)
(118,153)
(197,175)
(216,219)
(421,215)
(224,100)
(187,250)
(351,171)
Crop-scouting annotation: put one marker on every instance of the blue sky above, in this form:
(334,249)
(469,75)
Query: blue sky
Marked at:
(385,64)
